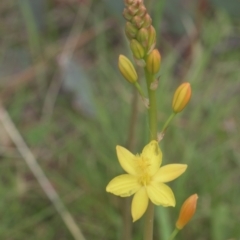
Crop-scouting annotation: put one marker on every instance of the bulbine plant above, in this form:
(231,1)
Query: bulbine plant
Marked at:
(145,177)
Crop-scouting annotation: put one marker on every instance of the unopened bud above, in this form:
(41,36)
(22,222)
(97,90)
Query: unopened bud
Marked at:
(130,30)
(136,3)
(142,37)
(133,10)
(142,10)
(147,21)
(127,69)
(181,97)
(127,15)
(128,2)
(187,211)
(137,49)
(153,61)
(137,21)
(151,38)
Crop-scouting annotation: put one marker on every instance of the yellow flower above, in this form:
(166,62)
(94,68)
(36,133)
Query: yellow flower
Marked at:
(145,178)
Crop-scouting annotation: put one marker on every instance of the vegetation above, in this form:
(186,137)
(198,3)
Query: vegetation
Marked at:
(62,89)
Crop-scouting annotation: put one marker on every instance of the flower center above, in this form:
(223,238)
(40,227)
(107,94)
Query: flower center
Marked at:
(144,179)
(142,167)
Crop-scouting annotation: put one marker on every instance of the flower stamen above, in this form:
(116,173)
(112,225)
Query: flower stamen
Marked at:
(144,179)
(143,169)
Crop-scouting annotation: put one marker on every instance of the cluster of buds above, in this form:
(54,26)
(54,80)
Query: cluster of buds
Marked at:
(139,29)
(142,37)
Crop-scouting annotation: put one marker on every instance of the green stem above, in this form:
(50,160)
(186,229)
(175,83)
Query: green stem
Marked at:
(168,122)
(152,118)
(138,87)
(152,110)
(127,220)
(149,221)
(174,233)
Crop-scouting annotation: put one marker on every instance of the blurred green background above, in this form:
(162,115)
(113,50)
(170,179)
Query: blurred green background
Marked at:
(60,84)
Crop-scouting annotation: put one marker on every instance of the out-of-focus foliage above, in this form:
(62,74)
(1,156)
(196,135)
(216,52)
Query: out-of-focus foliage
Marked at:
(60,83)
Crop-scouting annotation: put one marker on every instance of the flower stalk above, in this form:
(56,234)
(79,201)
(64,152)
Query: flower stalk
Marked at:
(139,89)
(145,178)
(152,119)
(152,111)
(174,234)
(165,126)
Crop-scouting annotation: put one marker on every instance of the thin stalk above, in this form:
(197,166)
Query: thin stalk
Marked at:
(152,118)
(152,110)
(174,234)
(138,87)
(127,221)
(168,122)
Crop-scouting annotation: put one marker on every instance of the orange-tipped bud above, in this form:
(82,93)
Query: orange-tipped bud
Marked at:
(187,211)
(181,97)
(137,49)
(153,61)
(127,69)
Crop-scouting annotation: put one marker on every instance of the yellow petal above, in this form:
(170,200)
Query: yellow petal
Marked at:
(139,204)
(126,160)
(124,185)
(153,153)
(169,172)
(161,194)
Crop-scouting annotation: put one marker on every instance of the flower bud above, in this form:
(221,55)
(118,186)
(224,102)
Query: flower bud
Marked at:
(137,21)
(136,3)
(187,211)
(127,15)
(137,49)
(151,38)
(127,69)
(130,30)
(141,11)
(181,97)
(142,37)
(133,10)
(128,2)
(147,21)
(153,61)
